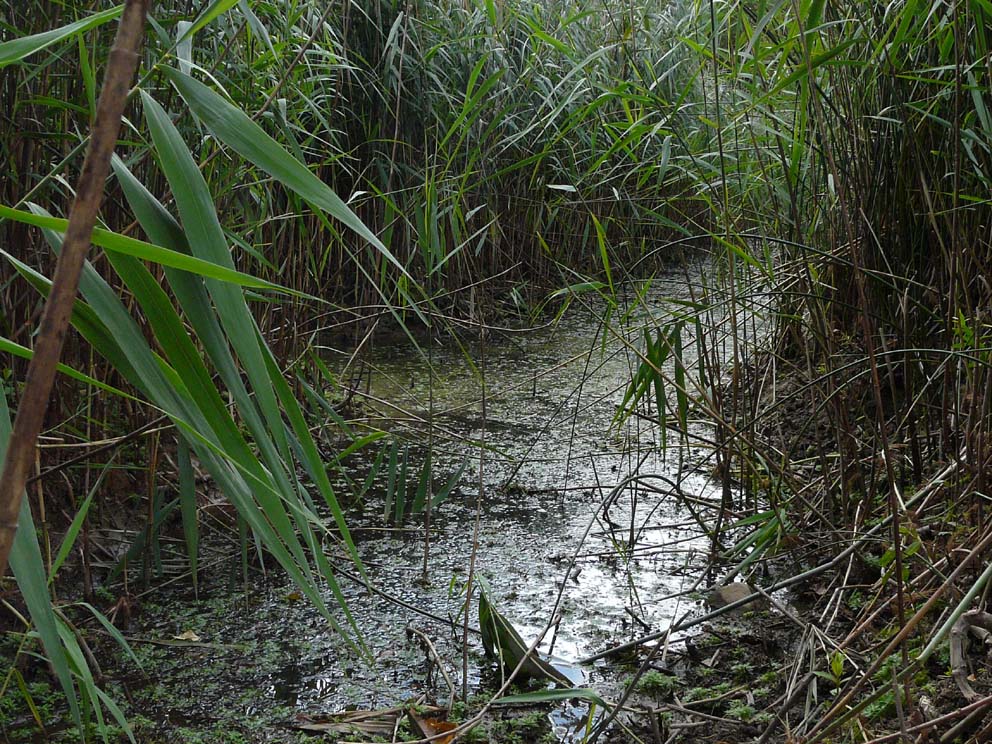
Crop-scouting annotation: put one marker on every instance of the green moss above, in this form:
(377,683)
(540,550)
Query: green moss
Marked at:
(528,728)
(531,728)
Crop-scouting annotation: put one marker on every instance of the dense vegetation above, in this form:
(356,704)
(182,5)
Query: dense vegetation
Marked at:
(289,168)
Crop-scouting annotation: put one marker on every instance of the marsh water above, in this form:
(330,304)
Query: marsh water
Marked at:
(566,536)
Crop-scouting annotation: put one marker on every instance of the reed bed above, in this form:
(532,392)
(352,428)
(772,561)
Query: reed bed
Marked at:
(290,169)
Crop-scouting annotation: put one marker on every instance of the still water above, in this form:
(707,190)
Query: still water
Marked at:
(554,455)
(566,536)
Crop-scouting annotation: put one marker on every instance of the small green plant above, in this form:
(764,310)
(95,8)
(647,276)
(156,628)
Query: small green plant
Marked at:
(768,678)
(697,693)
(943,655)
(657,683)
(742,670)
(741,712)
(881,708)
(836,673)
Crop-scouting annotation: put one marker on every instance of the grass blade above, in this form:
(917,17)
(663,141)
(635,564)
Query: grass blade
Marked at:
(28,568)
(17,49)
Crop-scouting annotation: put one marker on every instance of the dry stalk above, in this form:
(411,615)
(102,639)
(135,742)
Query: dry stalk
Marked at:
(58,308)
(978,622)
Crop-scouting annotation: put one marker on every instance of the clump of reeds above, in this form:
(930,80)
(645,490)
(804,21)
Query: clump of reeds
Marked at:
(852,181)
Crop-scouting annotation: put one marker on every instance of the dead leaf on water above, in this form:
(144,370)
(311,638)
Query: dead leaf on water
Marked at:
(427,724)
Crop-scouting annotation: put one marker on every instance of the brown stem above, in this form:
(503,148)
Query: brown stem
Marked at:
(58,308)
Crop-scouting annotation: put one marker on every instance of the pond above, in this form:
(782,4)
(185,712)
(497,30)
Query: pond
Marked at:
(567,536)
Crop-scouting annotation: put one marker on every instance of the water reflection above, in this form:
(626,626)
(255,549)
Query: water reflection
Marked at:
(554,457)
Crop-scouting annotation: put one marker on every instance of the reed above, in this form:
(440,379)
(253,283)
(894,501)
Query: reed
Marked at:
(290,169)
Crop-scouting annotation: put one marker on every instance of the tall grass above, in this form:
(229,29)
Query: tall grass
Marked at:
(396,160)
(854,153)
(471,138)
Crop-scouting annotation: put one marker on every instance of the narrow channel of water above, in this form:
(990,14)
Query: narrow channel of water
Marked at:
(554,455)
